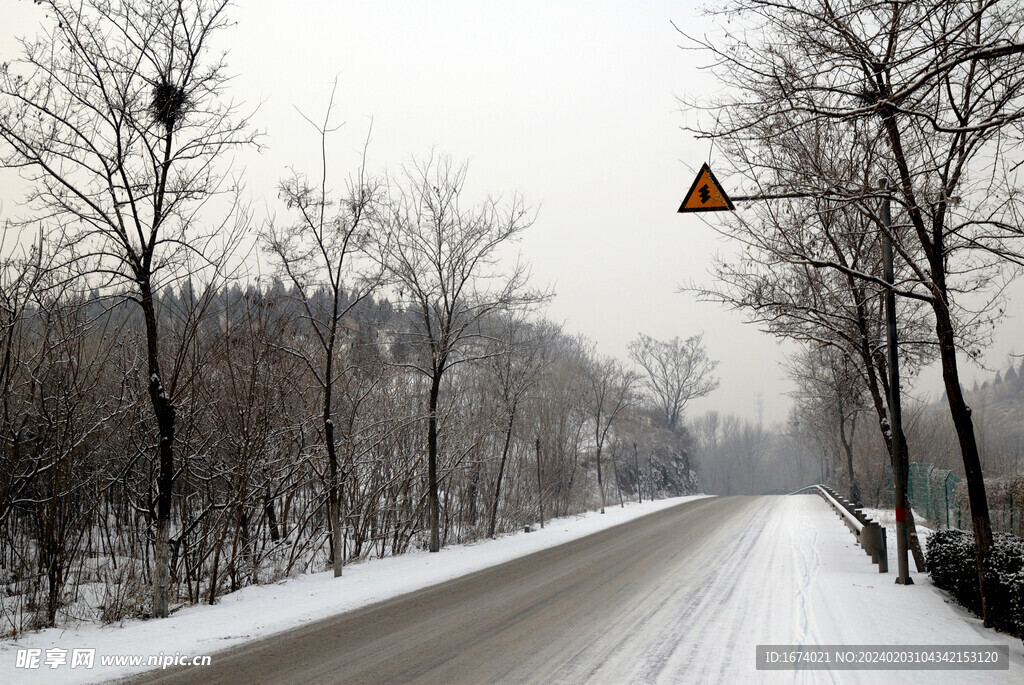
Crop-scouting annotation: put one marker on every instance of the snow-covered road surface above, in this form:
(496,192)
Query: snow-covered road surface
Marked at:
(681,596)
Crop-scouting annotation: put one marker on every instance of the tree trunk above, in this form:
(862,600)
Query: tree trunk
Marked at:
(435,503)
(540,486)
(600,483)
(472,491)
(650,475)
(333,504)
(268,510)
(961,415)
(618,481)
(501,472)
(164,412)
(213,575)
(958,409)
(636,465)
(876,368)
(855,495)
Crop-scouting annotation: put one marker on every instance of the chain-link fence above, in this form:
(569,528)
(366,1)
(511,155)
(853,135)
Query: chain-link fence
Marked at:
(1005,504)
(932,493)
(940,495)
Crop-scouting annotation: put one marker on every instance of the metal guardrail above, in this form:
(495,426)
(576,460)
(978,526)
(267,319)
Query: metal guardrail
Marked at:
(870,535)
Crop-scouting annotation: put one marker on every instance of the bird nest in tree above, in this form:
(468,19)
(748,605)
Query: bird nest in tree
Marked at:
(168,103)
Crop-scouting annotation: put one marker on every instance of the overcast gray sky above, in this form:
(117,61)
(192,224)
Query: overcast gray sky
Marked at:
(572,103)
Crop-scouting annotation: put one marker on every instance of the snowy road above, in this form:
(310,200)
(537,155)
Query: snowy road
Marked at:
(683,595)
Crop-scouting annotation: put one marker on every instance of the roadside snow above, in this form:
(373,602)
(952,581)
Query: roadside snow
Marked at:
(848,602)
(258,611)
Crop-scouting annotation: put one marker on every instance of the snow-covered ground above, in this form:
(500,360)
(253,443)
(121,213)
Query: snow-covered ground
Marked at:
(849,602)
(258,611)
(791,574)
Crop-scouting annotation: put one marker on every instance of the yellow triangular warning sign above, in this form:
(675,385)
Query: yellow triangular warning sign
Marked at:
(706,195)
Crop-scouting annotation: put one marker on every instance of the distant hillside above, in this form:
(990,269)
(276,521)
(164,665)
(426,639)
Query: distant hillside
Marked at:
(997,406)
(1002,395)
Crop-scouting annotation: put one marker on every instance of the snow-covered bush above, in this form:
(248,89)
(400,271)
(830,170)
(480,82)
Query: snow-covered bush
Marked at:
(1006,565)
(951,564)
(952,567)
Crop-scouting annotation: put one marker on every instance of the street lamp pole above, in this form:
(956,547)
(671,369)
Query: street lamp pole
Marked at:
(899,468)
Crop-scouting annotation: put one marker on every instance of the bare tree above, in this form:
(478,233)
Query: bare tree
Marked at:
(514,366)
(708,430)
(75,406)
(609,390)
(443,258)
(556,413)
(317,256)
(676,371)
(830,392)
(116,117)
(737,455)
(939,86)
(23,279)
(825,308)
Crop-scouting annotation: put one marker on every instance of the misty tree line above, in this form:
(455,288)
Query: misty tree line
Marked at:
(738,456)
(174,428)
(77,483)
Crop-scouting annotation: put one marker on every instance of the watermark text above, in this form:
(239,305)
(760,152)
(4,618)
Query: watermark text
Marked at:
(55,657)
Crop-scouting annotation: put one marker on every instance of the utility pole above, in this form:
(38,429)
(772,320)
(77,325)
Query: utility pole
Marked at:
(540,486)
(650,474)
(895,415)
(639,490)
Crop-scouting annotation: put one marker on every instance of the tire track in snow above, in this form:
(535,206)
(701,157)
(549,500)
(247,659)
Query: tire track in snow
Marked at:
(747,599)
(680,615)
(722,619)
(638,638)
(806,550)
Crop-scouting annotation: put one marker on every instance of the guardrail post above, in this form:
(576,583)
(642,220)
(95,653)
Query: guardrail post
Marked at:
(872,539)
